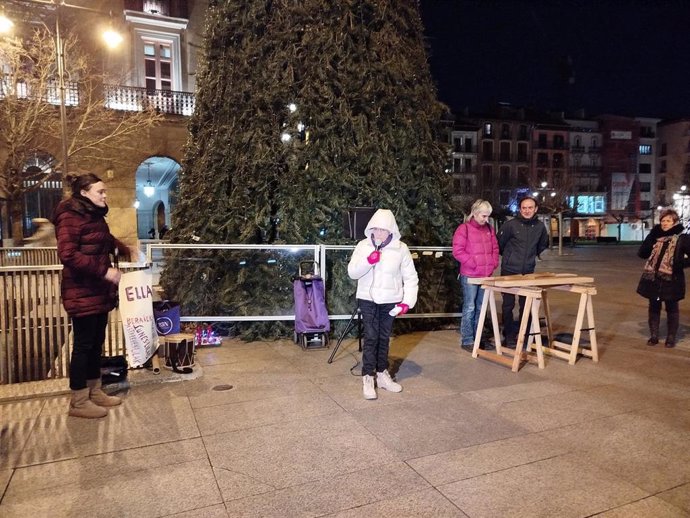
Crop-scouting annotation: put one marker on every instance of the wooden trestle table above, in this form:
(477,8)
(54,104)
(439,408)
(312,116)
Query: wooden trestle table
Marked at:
(534,288)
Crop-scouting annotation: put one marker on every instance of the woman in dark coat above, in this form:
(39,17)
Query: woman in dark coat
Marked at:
(667,251)
(89,287)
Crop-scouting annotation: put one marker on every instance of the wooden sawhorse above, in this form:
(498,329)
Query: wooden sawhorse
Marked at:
(533,297)
(569,351)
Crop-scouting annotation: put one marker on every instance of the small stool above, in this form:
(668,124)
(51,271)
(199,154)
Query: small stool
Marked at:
(178,348)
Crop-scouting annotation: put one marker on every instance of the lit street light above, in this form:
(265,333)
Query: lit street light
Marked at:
(681,202)
(5,23)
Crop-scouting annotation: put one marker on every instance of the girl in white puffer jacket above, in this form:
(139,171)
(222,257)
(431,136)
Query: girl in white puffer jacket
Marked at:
(387,285)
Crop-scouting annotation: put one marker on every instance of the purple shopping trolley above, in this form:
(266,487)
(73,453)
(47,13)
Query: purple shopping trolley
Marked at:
(311,315)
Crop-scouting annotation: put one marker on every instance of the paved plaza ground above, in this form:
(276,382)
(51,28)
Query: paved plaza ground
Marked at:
(466,437)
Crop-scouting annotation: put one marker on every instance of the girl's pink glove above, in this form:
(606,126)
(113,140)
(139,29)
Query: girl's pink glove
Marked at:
(399,309)
(374,257)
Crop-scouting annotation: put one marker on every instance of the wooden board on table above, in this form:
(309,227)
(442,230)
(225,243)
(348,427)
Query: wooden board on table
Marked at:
(532,279)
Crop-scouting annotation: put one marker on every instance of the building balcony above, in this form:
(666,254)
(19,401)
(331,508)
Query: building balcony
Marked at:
(21,90)
(116,97)
(549,145)
(463,150)
(587,169)
(132,98)
(577,149)
(466,171)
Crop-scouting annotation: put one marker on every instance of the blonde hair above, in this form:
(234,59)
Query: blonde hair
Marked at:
(480,206)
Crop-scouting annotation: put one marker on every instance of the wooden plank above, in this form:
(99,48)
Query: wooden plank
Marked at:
(503,360)
(534,279)
(547,281)
(512,358)
(526,276)
(480,325)
(552,351)
(547,316)
(526,291)
(575,288)
(594,349)
(578,328)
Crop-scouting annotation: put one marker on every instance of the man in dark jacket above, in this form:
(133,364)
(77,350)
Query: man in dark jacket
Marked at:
(520,241)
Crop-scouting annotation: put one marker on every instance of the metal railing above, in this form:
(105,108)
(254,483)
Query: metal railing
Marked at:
(11,87)
(29,256)
(132,98)
(35,341)
(35,330)
(157,253)
(116,97)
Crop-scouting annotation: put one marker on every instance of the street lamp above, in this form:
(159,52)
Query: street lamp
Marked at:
(5,23)
(111,37)
(149,189)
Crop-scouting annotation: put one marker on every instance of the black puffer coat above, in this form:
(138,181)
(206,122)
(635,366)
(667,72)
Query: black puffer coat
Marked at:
(84,243)
(665,289)
(520,241)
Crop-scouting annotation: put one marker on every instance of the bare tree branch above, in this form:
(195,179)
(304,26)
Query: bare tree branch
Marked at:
(30,119)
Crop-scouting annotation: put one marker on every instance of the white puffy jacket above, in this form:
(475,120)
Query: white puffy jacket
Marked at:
(394,278)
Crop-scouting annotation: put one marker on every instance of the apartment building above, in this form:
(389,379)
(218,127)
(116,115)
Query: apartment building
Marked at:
(602,169)
(646,165)
(673,165)
(464,137)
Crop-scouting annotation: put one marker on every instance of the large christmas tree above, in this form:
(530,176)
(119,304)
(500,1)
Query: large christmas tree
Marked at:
(304,109)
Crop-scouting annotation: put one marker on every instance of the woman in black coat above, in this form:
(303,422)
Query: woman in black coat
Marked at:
(667,251)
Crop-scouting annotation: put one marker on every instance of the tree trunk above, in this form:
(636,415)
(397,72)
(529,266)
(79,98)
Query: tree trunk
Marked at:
(16,212)
(5,218)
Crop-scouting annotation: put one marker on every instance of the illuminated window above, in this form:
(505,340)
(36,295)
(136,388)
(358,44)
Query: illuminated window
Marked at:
(645,149)
(158,65)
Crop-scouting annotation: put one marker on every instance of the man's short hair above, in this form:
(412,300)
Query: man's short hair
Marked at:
(536,203)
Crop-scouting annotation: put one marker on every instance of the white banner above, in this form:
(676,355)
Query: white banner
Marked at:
(136,312)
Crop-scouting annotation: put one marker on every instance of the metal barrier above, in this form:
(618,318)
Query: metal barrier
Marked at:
(322,254)
(35,341)
(29,256)
(35,330)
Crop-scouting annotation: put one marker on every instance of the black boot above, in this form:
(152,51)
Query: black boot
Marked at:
(673,321)
(653,318)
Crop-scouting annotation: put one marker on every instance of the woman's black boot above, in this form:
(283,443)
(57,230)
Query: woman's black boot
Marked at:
(653,319)
(673,321)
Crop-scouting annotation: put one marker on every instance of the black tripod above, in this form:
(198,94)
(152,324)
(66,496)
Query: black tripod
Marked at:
(357,312)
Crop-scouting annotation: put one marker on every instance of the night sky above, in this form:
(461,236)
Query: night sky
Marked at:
(622,57)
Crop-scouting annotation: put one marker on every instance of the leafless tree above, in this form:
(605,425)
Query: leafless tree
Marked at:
(30,117)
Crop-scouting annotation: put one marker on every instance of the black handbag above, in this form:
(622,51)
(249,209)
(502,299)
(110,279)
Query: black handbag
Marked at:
(113,369)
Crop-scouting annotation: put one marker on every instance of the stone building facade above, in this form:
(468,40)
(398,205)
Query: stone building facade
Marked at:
(153,66)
